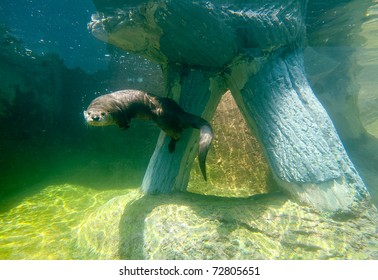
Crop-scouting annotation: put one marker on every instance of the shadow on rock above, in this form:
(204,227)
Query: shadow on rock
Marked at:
(186,226)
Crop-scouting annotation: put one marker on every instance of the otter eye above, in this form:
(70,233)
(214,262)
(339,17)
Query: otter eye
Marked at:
(103,114)
(89,113)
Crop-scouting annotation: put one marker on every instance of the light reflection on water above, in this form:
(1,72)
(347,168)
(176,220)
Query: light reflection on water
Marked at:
(45,225)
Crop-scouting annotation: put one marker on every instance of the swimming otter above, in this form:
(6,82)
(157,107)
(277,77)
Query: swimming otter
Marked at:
(118,108)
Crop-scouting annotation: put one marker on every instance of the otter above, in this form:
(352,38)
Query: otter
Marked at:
(118,108)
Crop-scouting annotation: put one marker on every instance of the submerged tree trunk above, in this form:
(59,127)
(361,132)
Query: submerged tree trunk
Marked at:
(199,95)
(301,144)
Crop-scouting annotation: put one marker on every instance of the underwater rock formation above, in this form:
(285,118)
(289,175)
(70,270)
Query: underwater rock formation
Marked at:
(188,226)
(259,57)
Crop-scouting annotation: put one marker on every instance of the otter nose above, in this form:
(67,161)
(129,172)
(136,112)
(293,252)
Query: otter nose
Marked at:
(96,118)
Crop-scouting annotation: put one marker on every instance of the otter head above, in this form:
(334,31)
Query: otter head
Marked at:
(98,117)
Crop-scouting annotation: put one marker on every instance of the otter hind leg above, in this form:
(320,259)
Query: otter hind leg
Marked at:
(172,130)
(172,145)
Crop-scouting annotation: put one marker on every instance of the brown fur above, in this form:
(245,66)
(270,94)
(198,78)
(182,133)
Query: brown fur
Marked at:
(118,108)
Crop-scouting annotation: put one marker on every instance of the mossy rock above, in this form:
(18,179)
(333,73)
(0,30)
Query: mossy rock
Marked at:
(189,226)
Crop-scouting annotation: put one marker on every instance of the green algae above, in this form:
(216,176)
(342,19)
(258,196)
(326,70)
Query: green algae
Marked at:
(44,225)
(75,222)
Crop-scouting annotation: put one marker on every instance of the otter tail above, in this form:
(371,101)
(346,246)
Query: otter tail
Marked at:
(206,137)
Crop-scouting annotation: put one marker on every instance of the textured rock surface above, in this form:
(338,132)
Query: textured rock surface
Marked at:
(299,140)
(187,226)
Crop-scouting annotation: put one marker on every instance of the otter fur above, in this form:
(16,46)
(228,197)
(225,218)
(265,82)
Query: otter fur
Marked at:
(120,107)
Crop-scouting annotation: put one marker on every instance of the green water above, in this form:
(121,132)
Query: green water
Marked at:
(45,225)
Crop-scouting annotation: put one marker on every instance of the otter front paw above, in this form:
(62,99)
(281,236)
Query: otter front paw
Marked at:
(123,125)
